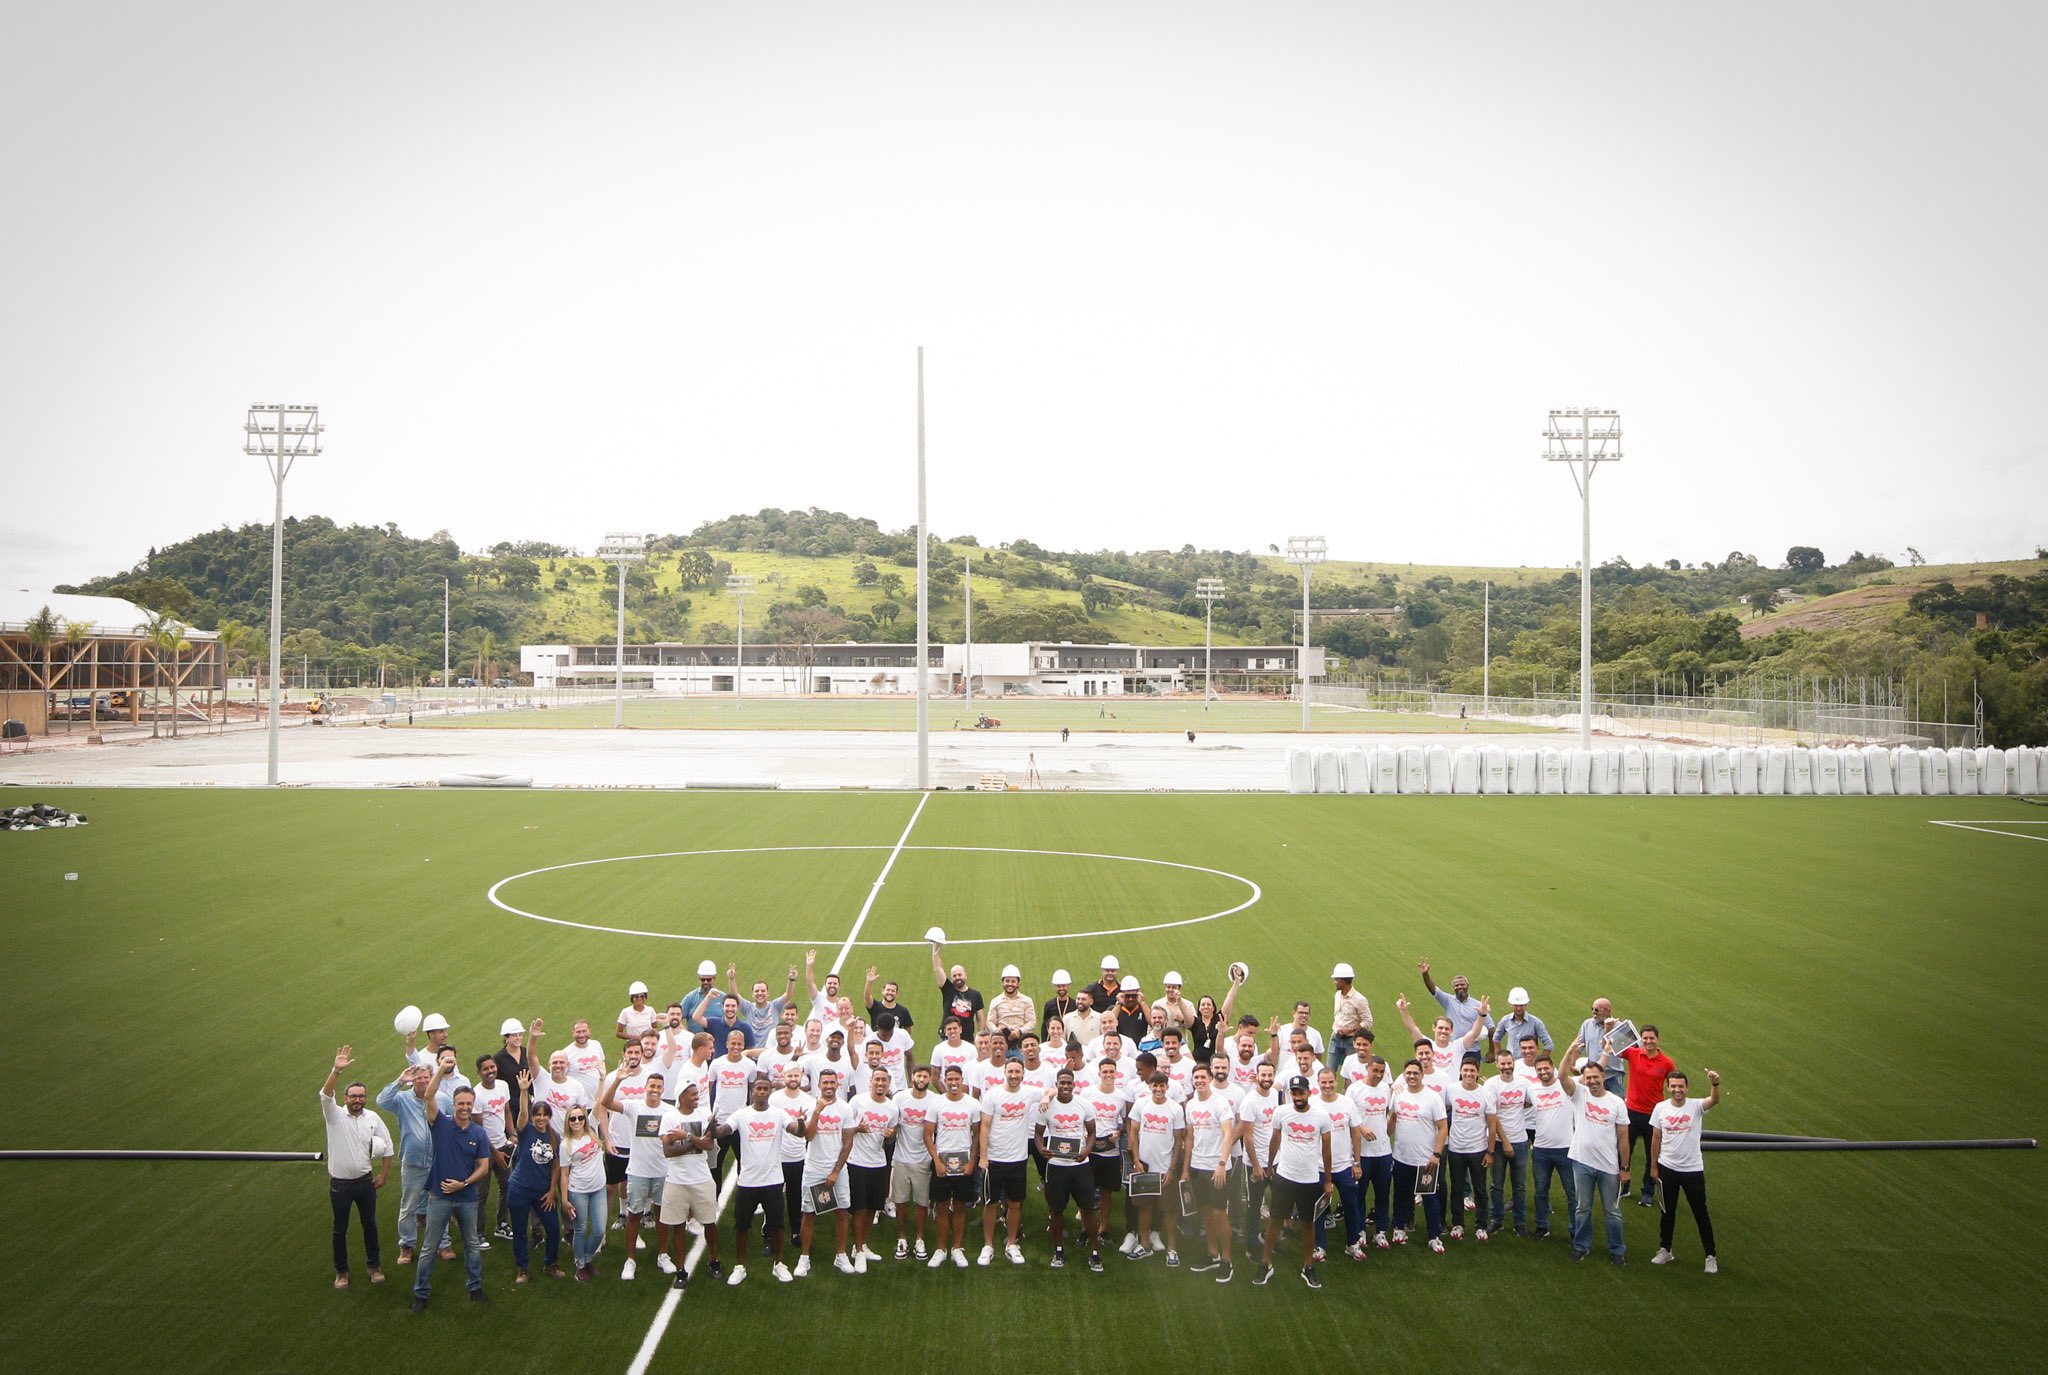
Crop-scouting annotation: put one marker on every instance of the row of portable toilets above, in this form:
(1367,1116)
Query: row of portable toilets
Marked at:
(1771,771)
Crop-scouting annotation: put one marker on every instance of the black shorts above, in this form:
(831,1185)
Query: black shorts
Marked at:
(1208,1193)
(952,1188)
(615,1168)
(766,1197)
(1289,1199)
(869,1185)
(1109,1173)
(1068,1183)
(1007,1180)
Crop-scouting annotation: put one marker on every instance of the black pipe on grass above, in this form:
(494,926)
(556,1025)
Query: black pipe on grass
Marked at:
(2013,1143)
(161,1155)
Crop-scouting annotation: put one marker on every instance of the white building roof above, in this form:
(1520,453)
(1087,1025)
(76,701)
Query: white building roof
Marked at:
(105,616)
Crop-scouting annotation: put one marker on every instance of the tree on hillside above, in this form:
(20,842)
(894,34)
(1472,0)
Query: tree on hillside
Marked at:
(887,611)
(865,574)
(1804,558)
(1914,558)
(1761,596)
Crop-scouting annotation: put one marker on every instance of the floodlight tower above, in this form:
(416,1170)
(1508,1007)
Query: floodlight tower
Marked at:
(621,549)
(1210,590)
(279,435)
(740,586)
(1305,550)
(1584,438)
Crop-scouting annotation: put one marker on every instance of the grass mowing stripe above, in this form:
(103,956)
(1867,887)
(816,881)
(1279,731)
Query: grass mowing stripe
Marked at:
(880,879)
(648,1344)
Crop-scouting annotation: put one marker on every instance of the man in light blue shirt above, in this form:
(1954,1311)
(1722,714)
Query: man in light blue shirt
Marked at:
(1459,1005)
(405,1098)
(1509,1031)
(1593,1036)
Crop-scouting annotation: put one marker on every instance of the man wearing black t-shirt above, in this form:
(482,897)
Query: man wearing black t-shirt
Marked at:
(888,1003)
(956,999)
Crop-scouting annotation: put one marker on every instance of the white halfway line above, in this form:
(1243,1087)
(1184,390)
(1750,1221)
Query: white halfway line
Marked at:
(649,1343)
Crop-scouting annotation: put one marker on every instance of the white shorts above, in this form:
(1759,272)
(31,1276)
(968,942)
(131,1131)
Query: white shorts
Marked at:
(682,1203)
(842,1190)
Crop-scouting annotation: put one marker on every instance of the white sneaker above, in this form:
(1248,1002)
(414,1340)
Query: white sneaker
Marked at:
(1015,1253)
(919,1252)
(639,1243)
(483,1244)
(696,1228)
(1663,1256)
(618,1224)
(1436,1244)
(1400,1236)
(664,1264)
(860,1261)
(1480,1235)
(1157,1244)
(902,1249)
(626,1270)
(781,1272)
(842,1264)
(959,1258)
(803,1266)
(1320,1255)
(739,1273)
(1713,1266)
(1457,1234)
(988,1253)
(1130,1243)
(938,1259)
(888,1210)
(868,1252)
(1380,1240)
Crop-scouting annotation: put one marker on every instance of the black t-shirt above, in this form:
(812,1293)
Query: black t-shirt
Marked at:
(509,1066)
(1132,1026)
(964,1003)
(1103,991)
(1202,1039)
(899,1012)
(1055,1007)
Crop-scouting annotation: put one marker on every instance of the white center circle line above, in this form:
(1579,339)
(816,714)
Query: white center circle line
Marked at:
(492,894)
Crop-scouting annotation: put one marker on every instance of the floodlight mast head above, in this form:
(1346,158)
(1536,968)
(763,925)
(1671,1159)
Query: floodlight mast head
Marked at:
(619,547)
(1209,589)
(1307,549)
(740,584)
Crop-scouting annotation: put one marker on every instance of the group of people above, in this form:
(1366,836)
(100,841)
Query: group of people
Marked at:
(827,1120)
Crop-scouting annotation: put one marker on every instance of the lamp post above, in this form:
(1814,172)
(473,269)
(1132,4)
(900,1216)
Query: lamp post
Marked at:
(1583,439)
(280,435)
(740,586)
(620,549)
(924,610)
(1305,550)
(1210,590)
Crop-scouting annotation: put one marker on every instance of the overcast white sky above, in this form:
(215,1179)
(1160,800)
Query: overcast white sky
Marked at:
(1185,272)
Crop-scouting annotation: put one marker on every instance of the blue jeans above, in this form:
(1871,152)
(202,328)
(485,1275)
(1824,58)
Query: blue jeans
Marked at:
(523,1202)
(412,1200)
(1379,1177)
(589,1225)
(1404,1200)
(1513,1170)
(1543,1162)
(1350,1198)
(439,1212)
(1590,1182)
(1466,1174)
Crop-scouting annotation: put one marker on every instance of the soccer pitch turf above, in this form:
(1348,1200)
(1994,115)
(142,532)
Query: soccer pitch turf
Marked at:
(1851,969)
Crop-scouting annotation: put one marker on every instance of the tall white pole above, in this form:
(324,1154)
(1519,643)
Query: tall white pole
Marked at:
(1208,653)
(1303,666)
(446,681)
(1582,451)
(924,703)
(619,658)
(968,584)
(1486,649)
(1586,609)
(739,660)
(276,605)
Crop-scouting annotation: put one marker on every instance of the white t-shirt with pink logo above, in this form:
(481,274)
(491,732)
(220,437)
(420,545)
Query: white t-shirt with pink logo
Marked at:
(1468,1119)
(586,1065)
(1550,1113)
(1373,1102)
(794,1107)
(760,1151)
(1594,1118)
(1415,1119)
(1681,1128)
(1256,1112)
(1301,1143)
(1073,1120)
(912,1113)
(1157,1125)
(1508,1099)
(491,1103)
(729,1081)
(560,1098)
(1208,1122)
(1343,1115)
(875,1121)
(1109,1108)
(1010,1117)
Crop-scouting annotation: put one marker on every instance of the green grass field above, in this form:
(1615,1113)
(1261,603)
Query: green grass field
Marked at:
(1135,714)
(1843,963)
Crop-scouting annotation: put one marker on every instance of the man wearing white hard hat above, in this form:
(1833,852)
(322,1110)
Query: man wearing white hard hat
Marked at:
(1351,1015)
(1520,1022)
(435,1026)
(1105,988)
(1128,1016)
(1061,1004)
(1176,1011)
(1012,1010)
(707,987)
(636,1016)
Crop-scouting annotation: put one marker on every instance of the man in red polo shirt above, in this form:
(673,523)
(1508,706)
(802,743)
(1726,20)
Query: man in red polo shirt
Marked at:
(1648,1068)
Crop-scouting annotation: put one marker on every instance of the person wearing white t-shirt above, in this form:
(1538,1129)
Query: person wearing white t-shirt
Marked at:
(1421,1127)
(358,1154)
(586,1060)
(1353,1069)
(759,1131)
(730,1077)
(493,1101)
(952,1136)
(1676,1165)
(1599,1145)
(1112,1105)
(1176,1065)
(1507,1097)
(1299,1147)
(1255,1118)
(646,1166)
(1212,1127)
(830,1133)
(832,1060)
(1007,1115)
(1157,1130)
(1474,1130)
(1550,1144)
(876,1119)
(910,1169)
(1345,1170)
(1447,1050)
(897,1045)
(955,1051)
(1372,1097)
(636,1016)
(1066,1142)
(559,1090)
(617,1131)
(582,1188)
(689,1194)
(795,1105)
(780,1053)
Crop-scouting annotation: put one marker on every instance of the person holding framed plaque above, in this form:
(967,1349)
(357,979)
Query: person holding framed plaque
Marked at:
(1421,1127)
(1066,1139)
(952,1135)
(1212,1125)
(826,1187)
(1158,1139)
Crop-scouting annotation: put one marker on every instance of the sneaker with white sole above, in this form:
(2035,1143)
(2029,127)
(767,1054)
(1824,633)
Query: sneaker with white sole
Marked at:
(781,1272)
(618,1224)
(482,1244)
(803,1267)
(959,1259)
(1663,1256)
(860,1261)
(1400,1236)
(1205,1265)
(1308,1277)
(1015,1253)
(1140,1254)
(1436,1244)
(1129,1244)
(504,1232)
(1379,1239)
(902,1249)
(918,1250)
(626,1270)
(1320,1255)
(1095,1261)
(841,1263)
(1713,1266)
(988,1253)
(1481,1235)
(738,1275)
(1356,1250)
(1156,1244)
(639,1243)
(1262,1274)
(695,1228)
(1223,1275)
(664,1264)
(1457,1234)
(1059,1257)
(938,1259)
(1173,1260)
(868,1252)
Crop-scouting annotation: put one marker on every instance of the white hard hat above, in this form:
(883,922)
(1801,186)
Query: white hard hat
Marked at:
(1580,1067)
(1172,977)
(1109,962)
(1518,997)
(435,1022)
(407,1021)
(1342,971)
(937,935)
(510,1027)
(707,970)
(1129,985)
(1010,972)
(1061,976)
(637,990)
